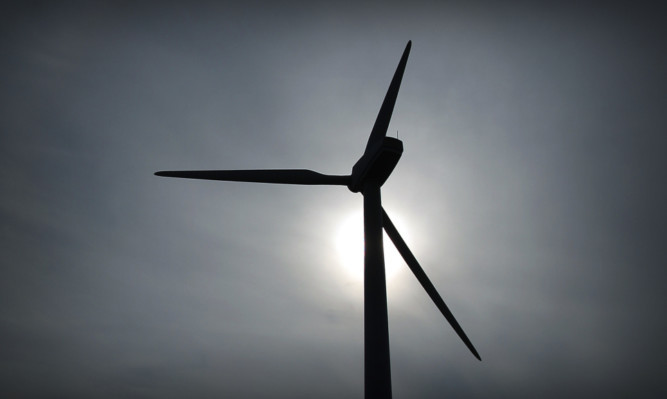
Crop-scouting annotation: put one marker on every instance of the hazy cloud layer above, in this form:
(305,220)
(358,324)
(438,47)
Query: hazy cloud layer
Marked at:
(532,182)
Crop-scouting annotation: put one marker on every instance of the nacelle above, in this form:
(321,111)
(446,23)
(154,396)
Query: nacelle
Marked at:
(377,163)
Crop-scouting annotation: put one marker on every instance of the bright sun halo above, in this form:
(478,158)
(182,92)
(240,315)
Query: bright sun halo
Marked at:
(350,247)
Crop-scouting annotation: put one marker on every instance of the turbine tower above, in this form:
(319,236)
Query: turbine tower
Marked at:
(381,155)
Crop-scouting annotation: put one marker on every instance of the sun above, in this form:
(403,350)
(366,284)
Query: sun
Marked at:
(350,247)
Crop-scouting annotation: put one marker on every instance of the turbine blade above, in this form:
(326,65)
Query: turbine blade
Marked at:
(382,120)
(277,176)
(424,280)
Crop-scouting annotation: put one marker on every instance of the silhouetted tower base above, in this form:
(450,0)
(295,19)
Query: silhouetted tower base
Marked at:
(377,371)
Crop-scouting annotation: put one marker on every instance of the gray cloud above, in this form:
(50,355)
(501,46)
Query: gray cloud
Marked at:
(532,180)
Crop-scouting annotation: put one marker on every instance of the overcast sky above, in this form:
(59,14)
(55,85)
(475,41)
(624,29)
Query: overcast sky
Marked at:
(533,187)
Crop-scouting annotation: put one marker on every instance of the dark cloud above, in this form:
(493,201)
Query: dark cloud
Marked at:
(532,180)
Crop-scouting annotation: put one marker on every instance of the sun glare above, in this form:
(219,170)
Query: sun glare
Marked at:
(350,247)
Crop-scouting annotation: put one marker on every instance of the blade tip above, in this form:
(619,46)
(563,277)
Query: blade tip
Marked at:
(474,352)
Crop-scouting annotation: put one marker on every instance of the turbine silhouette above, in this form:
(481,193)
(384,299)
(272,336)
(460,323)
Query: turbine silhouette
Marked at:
(368,175)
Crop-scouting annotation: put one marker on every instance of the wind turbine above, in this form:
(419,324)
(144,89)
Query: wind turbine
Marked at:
(381,155)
